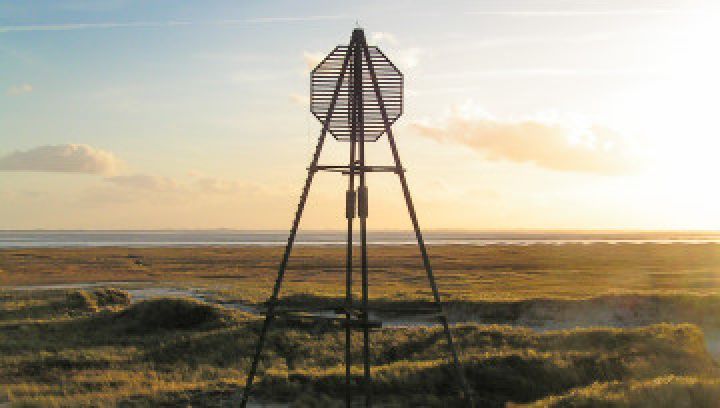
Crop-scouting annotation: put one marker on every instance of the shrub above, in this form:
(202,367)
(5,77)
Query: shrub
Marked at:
(112,296)
(171,314)
(83,300)
(94,300)
(667,391)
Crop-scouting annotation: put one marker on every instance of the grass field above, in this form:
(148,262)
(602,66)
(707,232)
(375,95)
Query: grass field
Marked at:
(463,272)
(93,347)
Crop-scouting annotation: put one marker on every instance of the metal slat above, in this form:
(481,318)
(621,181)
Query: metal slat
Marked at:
(388,77)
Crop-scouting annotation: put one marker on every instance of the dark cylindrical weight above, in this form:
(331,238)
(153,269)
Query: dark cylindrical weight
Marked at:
(362,202)
(350,204)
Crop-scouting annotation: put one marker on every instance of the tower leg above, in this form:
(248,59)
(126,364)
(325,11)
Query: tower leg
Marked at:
(350,215)
(359,136)
(428,269)
(416,227)
(272,301)
(367,382)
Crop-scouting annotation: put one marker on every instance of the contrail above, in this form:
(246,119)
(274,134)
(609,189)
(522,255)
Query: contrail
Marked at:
(576,13)
(144,24)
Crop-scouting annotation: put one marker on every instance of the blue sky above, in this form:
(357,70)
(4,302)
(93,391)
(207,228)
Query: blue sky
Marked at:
(520,114)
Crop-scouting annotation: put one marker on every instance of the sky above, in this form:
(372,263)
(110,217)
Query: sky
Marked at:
(517,114)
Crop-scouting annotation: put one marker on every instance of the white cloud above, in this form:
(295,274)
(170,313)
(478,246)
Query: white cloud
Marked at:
(212,185)
(312,59)
(144,182)
(162,190)
(19,89)
(409,58)
(547,143)
(301,100)
(403,56)
(195,184)
(66,158)
(383,37)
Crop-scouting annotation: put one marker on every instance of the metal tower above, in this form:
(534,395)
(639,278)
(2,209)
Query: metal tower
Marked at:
(357,94)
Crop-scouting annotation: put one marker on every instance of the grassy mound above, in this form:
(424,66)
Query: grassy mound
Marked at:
(502,365)
(95,299)
(180,352)
(668,391)
(172,314)
(616,310)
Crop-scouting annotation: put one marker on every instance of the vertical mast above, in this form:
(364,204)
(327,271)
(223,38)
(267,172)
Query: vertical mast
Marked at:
(350,200)
(357,46)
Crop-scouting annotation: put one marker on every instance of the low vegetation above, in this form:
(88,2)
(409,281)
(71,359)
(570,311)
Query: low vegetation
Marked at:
(182,351)
(667,391)
(464,273)
(171,314)
(102,347)
(95,299)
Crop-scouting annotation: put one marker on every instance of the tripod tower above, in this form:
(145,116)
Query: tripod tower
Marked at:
(357,95)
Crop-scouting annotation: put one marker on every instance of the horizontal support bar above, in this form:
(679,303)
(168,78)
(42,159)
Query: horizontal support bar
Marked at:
(356,312)
(342,321)
(357,169)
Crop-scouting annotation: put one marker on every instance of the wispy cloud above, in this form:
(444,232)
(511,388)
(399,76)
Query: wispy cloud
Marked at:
(406,57)
(157,189)
(294,19)
(383,37)
(576,13)
(312,58)
(150,24)
(505,41)
(146,182)
(194,184)
(542,72)
(301,100)
(19,89)
(409,58)
(86,26)
(66,158)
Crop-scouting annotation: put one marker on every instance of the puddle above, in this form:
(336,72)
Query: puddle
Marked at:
(140,294)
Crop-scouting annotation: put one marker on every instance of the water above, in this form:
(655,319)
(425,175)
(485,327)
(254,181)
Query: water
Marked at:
(161,238)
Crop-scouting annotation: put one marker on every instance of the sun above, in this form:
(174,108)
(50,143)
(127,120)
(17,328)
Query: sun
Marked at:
(671,112)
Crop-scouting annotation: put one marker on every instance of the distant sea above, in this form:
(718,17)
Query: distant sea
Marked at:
(160,238)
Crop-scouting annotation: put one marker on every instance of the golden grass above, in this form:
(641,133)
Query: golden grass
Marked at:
(664,391)
(60,356)
(463,272)
(53,352)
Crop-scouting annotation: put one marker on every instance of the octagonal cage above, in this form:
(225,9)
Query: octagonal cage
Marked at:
(323,82)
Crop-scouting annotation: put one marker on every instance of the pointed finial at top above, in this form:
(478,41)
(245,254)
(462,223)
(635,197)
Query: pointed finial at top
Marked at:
(357,23)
